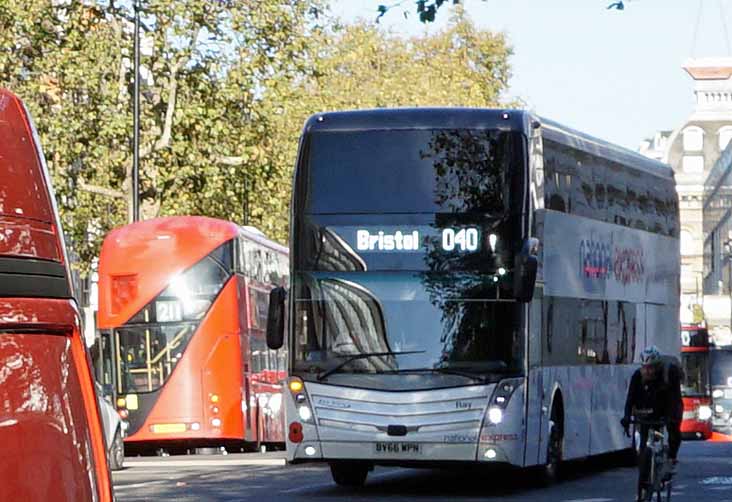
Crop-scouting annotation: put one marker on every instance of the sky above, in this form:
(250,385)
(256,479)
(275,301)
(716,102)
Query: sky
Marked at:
(613,74)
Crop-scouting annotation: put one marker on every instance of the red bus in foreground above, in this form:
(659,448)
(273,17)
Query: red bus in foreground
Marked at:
(696,389)
(182,315)
(50,431)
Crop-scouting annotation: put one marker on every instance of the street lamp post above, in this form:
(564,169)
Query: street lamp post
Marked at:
(136,119)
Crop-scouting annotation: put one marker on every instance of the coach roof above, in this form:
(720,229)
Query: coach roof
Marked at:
(418,118)
(567,136)
(479,118)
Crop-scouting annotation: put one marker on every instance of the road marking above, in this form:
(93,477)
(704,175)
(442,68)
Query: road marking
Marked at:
(717,480)
(590,500)
(205,463)
(139,485)
(371,477)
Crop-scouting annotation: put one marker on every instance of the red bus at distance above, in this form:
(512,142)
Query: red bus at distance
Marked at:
(182,316)
(696,389)
(52,440)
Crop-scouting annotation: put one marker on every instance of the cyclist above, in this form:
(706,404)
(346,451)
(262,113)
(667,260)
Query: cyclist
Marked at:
(656,388)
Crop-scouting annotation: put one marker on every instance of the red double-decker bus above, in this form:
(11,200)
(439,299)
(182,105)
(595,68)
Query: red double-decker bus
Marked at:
(182,316)
(695,389)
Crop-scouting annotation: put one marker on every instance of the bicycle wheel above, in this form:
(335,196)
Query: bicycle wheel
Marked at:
(645,475)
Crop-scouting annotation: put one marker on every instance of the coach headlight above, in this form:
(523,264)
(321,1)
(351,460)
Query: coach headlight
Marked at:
(718,393)
(704,412)
(305,414)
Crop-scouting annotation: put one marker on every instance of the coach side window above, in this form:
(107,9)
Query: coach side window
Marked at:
(554,179)
(583,187)
(594,346)
(618,204)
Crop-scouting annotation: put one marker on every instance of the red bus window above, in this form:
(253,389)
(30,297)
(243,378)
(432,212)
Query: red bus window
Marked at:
(259,304)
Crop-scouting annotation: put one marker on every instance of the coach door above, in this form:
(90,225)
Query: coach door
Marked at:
(534,393)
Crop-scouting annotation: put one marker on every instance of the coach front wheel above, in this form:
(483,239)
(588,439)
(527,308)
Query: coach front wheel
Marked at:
(351,474)
(551,471)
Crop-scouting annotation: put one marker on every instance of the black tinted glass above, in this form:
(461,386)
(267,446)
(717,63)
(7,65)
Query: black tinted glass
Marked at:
(696,375)
(446,320)
(148,355)
(721,368)
(412,171)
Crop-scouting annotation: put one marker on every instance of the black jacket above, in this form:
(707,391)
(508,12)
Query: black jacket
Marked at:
(662,395)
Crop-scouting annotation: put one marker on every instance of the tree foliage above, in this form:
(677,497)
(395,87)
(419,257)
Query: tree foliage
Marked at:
(205,66)
(362,66)
(427,10)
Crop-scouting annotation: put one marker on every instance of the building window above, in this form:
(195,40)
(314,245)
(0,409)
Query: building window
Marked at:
(693,139)
(693,164)
(687,242)
(725,134)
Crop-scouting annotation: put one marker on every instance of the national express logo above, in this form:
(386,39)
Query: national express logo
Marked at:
(600,261)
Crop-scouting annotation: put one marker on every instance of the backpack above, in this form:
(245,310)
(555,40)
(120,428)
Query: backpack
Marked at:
(668,363)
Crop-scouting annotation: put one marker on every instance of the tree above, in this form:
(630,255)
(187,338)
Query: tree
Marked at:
(427,9)
(205,67)
(362,66)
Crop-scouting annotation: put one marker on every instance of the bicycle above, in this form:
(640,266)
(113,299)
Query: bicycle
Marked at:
(655,474)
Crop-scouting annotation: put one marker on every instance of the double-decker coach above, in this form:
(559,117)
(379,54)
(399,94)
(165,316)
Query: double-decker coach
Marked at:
(182,315)
(469,285)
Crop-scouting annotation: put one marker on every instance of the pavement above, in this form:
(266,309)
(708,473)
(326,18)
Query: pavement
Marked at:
(705,473)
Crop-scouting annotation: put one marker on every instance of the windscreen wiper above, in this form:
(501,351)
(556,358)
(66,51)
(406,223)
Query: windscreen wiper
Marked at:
(467,374)
(364,356)
(447,371)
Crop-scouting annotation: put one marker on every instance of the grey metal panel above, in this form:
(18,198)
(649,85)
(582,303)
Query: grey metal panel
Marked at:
(376,410)
(381,420)
(379,407)
(400,398)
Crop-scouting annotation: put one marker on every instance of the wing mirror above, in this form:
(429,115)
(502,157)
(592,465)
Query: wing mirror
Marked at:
(524,271)
(276,318)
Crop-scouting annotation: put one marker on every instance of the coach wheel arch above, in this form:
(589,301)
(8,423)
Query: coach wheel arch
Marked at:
(550,472)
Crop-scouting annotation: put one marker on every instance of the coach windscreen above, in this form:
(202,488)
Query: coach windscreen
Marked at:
(404,244)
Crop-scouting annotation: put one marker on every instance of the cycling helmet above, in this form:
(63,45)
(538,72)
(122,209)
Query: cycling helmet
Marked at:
(651,355)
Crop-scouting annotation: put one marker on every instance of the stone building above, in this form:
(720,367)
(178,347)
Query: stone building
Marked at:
(692,150)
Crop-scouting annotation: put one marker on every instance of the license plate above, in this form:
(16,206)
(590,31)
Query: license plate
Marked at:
(168,428)
(397,448)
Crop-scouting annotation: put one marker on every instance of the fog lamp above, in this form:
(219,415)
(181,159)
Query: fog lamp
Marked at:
(216,422)
(490,454)
(717,393)
(305,413)
(195,426)
(309,451)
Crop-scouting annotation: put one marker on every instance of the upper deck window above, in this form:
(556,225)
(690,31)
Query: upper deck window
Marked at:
(412,171)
